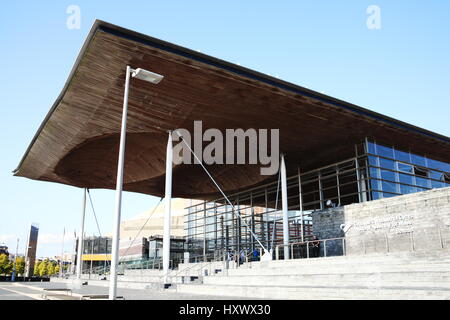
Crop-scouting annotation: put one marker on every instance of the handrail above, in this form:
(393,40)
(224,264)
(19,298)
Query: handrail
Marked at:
(132,265)
(291,245)
(201,265)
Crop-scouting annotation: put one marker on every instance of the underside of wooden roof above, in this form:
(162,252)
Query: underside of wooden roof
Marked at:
(78,142)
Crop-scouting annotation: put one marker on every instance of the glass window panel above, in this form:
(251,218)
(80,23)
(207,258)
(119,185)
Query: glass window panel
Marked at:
(436,175)
(438,165)
(419,160)
(405,167)
(388,175)
(385,151)
(389,186)
(407,189)
(437,184)
(373,161)
(388,195)
(421,182)
(374,172)
(371,147)
(405,178)
(402,156)
(376,195)
(375,184)
(388,164)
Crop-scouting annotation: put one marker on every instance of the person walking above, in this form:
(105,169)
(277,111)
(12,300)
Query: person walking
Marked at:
(315,246)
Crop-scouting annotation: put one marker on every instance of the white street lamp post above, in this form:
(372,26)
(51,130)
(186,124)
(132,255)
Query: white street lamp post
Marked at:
(155,79)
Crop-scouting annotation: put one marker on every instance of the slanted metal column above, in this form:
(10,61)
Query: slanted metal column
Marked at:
(80,237)
(204,231)
(119,187)
(300,205)
(167,211)
(284,202)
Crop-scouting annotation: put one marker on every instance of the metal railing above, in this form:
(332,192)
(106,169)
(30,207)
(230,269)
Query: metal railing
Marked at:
(154,263)
(308,249)
(202,262)
(147,264)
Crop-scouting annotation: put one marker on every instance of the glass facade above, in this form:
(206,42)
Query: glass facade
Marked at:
(394,172)
(213,225)
(374,171)
(97,245)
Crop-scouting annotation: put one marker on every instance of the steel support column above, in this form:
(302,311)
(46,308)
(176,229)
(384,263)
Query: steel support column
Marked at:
(284,202)
(167,211)
(80,236)
(300,205)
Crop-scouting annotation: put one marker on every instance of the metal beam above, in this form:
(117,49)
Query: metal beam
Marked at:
(284,202)
(80,236)
(167,207)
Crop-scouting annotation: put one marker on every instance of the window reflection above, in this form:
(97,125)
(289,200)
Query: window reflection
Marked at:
(403,172)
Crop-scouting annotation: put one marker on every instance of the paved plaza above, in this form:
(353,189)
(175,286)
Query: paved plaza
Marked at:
(35,291)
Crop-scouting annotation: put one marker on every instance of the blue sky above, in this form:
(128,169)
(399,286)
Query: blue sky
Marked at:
(401,70)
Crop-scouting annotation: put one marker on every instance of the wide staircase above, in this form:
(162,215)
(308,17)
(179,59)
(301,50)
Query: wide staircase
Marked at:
(143,276)
(412,275)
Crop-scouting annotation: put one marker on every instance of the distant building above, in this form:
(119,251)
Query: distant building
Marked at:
(96,252)
(151,222)
(30,255)
(4,250)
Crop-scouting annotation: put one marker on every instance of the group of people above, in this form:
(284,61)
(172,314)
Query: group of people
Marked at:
(243,256)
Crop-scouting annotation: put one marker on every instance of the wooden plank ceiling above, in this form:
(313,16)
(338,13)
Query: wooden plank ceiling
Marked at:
(78,142)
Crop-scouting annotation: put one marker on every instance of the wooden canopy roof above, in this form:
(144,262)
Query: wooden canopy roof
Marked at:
(77,143)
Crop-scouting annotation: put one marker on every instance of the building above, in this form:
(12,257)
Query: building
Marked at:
(140,239)
(96,252)
(375,171)
(332,152)
(30,255)
(4,250)
(151,222)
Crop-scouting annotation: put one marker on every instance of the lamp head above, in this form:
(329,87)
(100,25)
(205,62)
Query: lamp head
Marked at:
(147,75)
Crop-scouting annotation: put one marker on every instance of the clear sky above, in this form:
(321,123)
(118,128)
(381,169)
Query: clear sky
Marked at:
(401,69)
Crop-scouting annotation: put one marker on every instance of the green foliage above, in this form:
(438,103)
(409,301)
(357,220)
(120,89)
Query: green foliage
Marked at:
(57,269)
(43,268)
(36,268)
(6,266)
(20,265)
(50,269)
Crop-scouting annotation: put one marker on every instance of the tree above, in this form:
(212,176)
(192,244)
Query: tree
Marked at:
(36,268)
(50,269)
(20,265)
(6,266)
(57,269)
(43,268)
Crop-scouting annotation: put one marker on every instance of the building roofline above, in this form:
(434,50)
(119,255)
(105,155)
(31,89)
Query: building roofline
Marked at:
(103,26)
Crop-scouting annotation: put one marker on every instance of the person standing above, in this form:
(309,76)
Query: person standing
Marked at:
(316,247)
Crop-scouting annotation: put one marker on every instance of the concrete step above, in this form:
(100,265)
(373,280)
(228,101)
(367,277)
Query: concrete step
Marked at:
(317,292)
(342,269)
(341,261)
(120,284)
(142,272)
(394,279)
